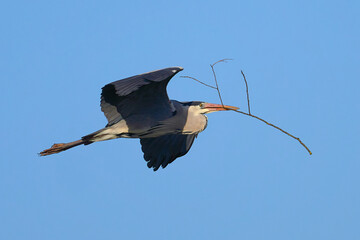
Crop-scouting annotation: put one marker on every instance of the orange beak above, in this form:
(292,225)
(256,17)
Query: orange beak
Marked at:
(218,107)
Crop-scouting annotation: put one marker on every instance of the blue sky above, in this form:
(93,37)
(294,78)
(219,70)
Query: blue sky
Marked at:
(241,179)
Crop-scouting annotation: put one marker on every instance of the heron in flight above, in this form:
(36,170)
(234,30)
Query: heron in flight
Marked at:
(139,107)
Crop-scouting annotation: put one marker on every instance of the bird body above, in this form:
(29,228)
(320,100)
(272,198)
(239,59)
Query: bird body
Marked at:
(138,107)
(184,120)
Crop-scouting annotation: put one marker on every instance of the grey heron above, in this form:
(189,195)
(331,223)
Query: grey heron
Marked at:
(139,107)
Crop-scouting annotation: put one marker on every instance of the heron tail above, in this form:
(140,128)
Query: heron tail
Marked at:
(59,147)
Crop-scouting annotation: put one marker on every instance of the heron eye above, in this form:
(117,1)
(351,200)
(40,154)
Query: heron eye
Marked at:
(201,105)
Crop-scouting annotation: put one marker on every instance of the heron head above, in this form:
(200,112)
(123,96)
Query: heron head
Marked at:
(204,108)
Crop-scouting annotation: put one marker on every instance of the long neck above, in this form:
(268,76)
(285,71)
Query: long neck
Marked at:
(196,122)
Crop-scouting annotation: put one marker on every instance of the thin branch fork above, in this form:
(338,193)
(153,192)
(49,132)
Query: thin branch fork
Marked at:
(248,102)
(217,86)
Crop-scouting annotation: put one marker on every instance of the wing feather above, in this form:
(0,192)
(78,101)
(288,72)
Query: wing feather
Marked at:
(161,151)
(140,94)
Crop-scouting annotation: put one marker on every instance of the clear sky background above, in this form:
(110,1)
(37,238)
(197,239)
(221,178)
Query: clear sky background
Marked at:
(241,179)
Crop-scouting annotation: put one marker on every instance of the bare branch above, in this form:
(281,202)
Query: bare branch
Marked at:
(247,92)
(217,86)
(199,81)
(222,60)
(270,124)
(248,100)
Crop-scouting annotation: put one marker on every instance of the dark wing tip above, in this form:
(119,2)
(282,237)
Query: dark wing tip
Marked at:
(163,150)
(176,69)
(156,163)
(128,85)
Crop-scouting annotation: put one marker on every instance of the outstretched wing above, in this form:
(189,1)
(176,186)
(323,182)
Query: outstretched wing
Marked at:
(161,151)
(140,94)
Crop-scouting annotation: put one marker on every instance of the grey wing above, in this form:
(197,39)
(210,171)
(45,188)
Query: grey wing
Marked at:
(161,151)
(141,94)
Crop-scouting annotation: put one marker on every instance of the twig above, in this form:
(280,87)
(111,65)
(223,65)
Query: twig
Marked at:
(247,91)
(199,81)
(222,60)
(217,86)
(270,124)
(248,100)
